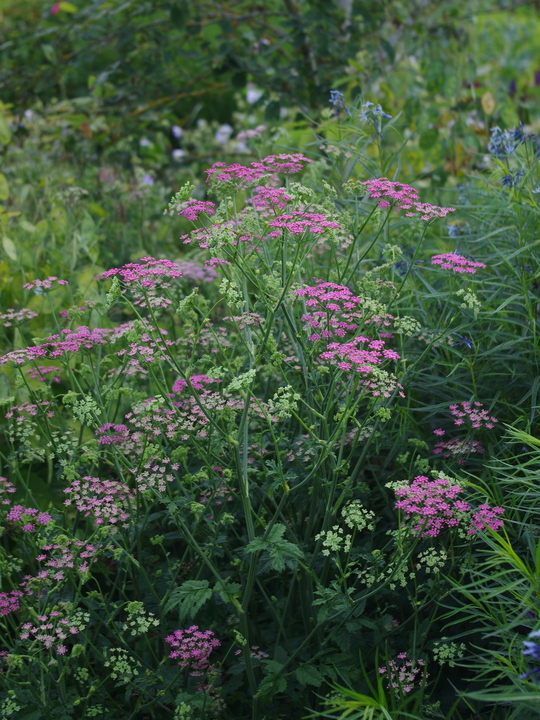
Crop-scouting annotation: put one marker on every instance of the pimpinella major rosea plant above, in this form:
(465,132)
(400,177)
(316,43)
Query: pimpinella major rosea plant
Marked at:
(198,521)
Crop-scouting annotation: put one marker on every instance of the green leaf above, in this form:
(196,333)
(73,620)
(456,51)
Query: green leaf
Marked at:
(4,187)
(231,590)
(190,597)
(309,675)
(68,7)
(9,247)
(5,131)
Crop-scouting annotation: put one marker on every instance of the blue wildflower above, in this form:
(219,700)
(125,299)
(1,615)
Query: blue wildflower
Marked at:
(502,142)
(337,99)
(532,649)
(464,341)
(512,180)
(369,112)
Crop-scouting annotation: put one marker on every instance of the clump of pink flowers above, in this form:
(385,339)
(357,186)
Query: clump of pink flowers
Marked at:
(435,505)
(273,164)
(474,413)
(6,487)
(458,449)
(404,197)
(192,648)
(193,208)
(41,285)
(146,272)
(298,222)
(29,517)
(402,674)
(197,382)
(9,602)
(51,630)
(108,501)
(41,371)
(11,316)
(456,263)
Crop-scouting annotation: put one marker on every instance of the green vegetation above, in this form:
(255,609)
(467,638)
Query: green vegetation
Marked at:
(269,441)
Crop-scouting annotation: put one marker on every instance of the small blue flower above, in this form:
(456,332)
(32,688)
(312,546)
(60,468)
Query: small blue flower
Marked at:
(148,180)
(531,649)
(337,99)
(502,142)
(512,180)
(464,341)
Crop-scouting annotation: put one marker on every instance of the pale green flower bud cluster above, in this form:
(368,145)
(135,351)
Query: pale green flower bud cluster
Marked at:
(123,666)
(470,301)
(357,517)
(139,622)
(407,325)
(184,711)
(448,652)
(334,540)
(86,410)
(431,560)
(242,382)
(283,402)
(180,197)
(9,706)
(231,294)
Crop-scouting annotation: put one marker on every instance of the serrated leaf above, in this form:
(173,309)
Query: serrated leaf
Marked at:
(270,685)
(230,590)
(309,675)
(4,187)
(9,247)
(190,597)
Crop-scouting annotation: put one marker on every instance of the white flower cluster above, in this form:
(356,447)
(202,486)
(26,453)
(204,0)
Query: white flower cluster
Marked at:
(470,301)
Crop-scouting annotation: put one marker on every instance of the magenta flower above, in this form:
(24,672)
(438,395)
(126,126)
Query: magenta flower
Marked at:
(404,197)
(192,648)
(456,263)
(55,8)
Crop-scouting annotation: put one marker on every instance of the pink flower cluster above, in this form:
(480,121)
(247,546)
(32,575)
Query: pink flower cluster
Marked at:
(458,449)
(16,316)
(197,382)
(51,630)
(72,341)
(330,301)
(474,413)
(44,284)
(434,505)
(15,411)
(267,198)
(10,602)
(402,674)
(6,487)
(108,501)
(28,516)
(145,273)
(405,197)
(298,222)
(41,371)
(193,208)
(194,271)
(71,555)
(251,133)
(193,648)
(457,263)
(348,356)
(120,433)
(273,164)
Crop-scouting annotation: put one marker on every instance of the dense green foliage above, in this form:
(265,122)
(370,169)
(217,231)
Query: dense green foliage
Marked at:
(204,449)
